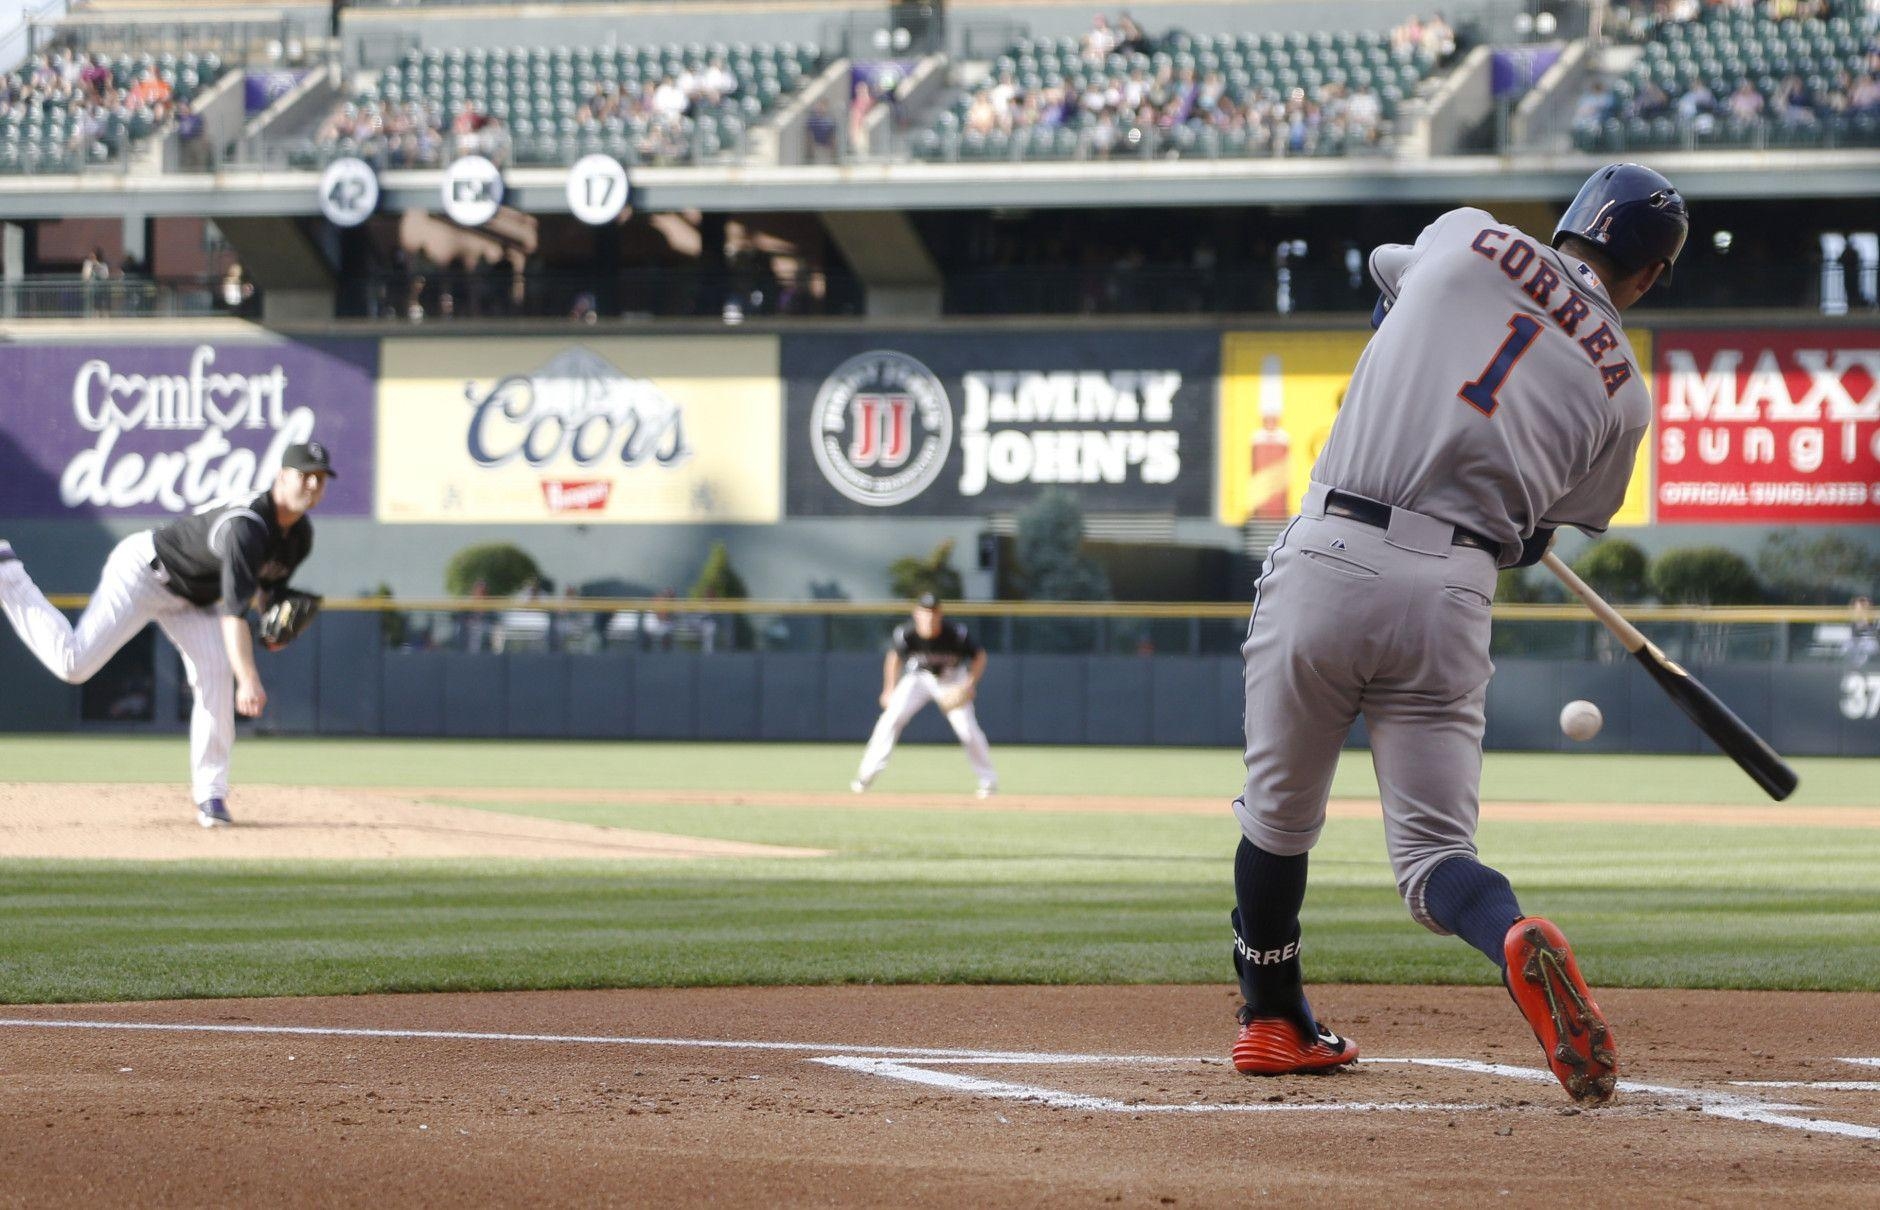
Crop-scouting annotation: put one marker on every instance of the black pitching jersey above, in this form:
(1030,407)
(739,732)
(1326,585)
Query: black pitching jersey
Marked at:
(226,554)
(939,655)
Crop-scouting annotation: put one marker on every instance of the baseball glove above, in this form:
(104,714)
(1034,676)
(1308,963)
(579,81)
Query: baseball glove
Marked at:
(952,697)
(290,612)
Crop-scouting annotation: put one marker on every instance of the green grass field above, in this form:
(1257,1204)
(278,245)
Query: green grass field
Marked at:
(919,896)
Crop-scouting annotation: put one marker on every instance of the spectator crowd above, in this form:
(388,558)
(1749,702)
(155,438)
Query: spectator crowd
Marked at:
(70,103)
(552,105)
(1738,66)
(1119,86)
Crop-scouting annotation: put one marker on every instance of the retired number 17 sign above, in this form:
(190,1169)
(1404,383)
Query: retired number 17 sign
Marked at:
(597,189)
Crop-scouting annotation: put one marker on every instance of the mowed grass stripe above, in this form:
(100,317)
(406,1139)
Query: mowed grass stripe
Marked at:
(929,895)
(918,768)
(513,931)
(1012,901)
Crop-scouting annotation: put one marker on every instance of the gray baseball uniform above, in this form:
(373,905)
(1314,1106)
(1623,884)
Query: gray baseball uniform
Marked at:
(1499,395)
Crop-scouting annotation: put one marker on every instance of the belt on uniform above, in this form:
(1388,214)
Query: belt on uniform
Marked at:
(1371,512)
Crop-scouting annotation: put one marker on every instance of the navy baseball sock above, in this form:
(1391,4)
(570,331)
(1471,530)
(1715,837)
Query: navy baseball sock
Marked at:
(1474,902)
(1269,891)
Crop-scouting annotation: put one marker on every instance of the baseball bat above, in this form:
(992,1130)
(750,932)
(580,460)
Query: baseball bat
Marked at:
(1730,733)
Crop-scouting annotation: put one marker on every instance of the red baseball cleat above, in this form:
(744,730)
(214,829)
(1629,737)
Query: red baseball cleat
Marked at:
(1546,985)
(1272,1046)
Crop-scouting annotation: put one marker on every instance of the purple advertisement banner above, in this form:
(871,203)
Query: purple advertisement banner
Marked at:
(261,89)
(159,430)
(1514,70)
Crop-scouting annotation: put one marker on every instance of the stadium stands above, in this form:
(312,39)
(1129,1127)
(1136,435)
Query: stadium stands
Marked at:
(552,105)
(1105,95)
(1743,78)
(67,109)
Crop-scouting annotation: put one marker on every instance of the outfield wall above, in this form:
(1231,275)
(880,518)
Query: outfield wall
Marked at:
(340,680)
(820,453)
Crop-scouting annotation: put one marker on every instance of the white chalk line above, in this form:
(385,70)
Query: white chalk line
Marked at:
(1861,1062)
(1002,1090)
(1717,1104)
(1823,1085)
(928,1053)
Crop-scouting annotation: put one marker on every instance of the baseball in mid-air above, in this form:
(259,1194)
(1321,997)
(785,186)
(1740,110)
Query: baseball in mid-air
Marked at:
(1581,720)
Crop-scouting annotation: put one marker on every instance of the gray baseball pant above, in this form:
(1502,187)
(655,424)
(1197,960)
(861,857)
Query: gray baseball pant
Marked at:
(1350,620)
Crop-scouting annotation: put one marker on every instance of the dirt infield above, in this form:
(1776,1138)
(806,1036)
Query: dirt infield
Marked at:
(925,1096)
(157,823)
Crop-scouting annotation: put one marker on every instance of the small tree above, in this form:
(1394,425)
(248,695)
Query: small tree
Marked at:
(504,570)
(912,575)
(1052,565)
(1616,569)
(1827,570)
(1514,587)
(393,625)
(717,581)
(1704,575)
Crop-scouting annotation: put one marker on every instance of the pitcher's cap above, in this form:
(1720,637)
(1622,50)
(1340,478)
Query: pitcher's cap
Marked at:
(308,458)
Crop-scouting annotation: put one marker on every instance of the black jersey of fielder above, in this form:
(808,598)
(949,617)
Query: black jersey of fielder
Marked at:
(939,655)
(229,553)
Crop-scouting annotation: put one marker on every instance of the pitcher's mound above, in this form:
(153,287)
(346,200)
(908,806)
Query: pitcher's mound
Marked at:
(157,823)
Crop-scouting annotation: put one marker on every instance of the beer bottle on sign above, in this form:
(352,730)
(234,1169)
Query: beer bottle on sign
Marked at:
(1272,447)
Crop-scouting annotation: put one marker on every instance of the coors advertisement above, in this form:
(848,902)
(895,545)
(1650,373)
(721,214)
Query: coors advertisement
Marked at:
(1768,426)
(969,422)
(613,429)
(155,430)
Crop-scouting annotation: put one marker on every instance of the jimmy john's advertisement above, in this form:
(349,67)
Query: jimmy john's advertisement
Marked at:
(572,432)
(981,422)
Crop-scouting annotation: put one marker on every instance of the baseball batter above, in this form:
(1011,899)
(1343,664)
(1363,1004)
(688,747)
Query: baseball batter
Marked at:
(1498,400)
(195,578)
(930,659)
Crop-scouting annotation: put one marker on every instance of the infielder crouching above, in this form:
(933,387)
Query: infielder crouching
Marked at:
(194,578)
(930,660)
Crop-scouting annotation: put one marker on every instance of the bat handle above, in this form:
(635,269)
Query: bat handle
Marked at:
(1613,620)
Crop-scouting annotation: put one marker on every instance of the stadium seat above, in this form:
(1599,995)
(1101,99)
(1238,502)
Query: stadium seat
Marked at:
(537,91)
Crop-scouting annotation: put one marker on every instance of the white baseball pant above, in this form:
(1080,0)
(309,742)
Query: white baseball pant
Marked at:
(914,691)
(131,594)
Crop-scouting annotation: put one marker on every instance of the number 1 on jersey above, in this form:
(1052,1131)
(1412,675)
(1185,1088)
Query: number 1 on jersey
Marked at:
(1480,394)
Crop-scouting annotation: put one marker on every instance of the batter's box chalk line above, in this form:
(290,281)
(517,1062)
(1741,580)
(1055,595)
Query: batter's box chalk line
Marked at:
(1820,1085)
(976,1086)
(917,1065)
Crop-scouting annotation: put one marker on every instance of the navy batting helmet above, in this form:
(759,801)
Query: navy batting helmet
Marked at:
(1633,213)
